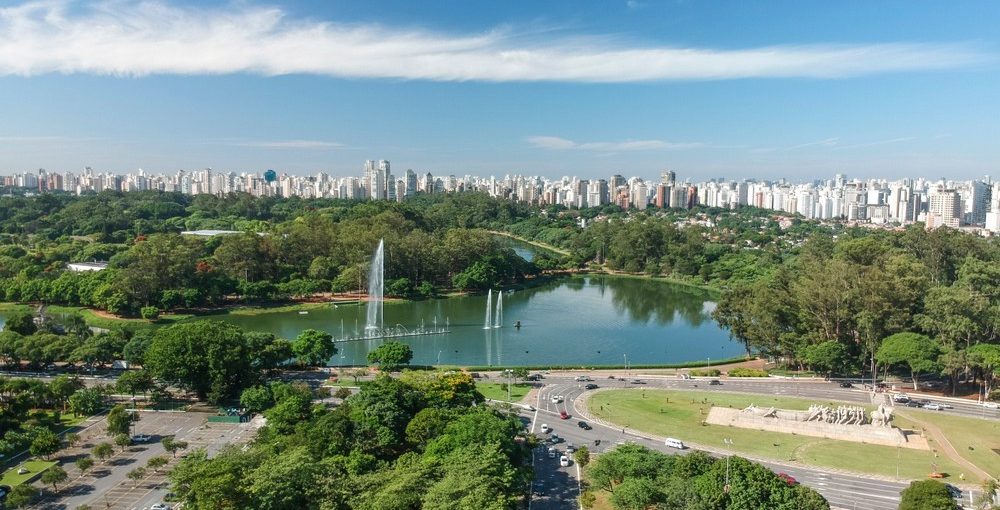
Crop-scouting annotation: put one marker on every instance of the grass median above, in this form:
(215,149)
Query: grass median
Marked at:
(498,391)
(34,469)
(681,414)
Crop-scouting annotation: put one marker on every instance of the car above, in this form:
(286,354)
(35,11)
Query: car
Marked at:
(788,479)
(564,461)
(546,429)
(552,453)
(533,377)
(933,406)
(846,384)
(612,377)
(556,399)
(991,405)
(953,491)
(581,378)
(590,386)
(556,439)
(570,448)
(563,415)
(674,443)
(475,375)
(901,397)
(913,403)
(714,382)
(583,425)
(140,438)
(683,376)
(529,407)
(638,381)
(159,506)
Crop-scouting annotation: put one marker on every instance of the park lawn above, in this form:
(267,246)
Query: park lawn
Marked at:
(35,469)
(681,414)
(973,438)
(71,419)
(498,391)
(14,307)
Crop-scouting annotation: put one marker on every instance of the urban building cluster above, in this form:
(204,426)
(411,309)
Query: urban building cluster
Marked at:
(957,204)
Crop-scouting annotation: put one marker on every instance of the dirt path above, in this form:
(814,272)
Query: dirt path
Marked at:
(945,447)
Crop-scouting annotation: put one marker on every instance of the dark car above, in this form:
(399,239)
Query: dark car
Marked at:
(953,491)
(590,387)
(4,491)
(913,403)
(583,425)
(638,381)
(533,377)
(846,384)
(714,382)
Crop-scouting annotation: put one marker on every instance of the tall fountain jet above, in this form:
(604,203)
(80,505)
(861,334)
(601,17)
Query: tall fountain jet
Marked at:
(489,310)
(376,287)
(498,316)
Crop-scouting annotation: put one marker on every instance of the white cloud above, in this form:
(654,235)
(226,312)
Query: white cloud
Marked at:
(876,143)
(556,143)
(136,38)
(290,144)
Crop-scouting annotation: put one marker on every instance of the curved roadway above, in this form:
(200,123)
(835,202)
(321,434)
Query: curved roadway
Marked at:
(556,487)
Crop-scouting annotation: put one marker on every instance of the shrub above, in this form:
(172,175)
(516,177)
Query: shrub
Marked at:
(150,313)
(706,372)
(747,372)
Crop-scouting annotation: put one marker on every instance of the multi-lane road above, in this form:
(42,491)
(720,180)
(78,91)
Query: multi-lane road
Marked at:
(557,487)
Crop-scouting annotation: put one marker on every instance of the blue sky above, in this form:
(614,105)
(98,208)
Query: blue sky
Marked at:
(792,89)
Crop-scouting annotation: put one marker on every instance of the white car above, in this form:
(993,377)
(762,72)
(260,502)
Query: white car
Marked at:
(159,506)
(545,428)
(991,405)
(933,407)
(557,399)
(564,461)
(140,438)
(552,453)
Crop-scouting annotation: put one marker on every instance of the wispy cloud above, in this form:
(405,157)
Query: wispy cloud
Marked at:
(137,38)
(288,144)
(557,143)
(826,142)
(876,143)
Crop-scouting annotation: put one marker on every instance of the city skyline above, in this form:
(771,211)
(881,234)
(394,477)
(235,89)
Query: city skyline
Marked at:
(763,89)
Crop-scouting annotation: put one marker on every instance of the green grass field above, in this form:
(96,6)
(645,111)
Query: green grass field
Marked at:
(681,415)
(978,441)
(498,391)
(35,469)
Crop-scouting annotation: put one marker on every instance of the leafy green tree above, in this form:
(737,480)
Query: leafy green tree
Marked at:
(87,402)
(21,496)
(519,373)
(137,474)
(103,451)
(157,462)
(917,351)
(172,446)
(926,495)
(314,348)
(134,381)
(44,443)
(63,387)
(210,358)
(828,357)
(150,313)
(134,351)
(54,476)
(636,494)
(84,463)
(391,356)
(119,421)
(257,398)
(123,441)
(284,481)
(72,438)
(582,456)
(22,323)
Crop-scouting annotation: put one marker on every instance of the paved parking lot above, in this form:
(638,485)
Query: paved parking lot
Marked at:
(107,486)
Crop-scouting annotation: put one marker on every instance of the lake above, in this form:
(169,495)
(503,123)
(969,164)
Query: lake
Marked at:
(577,320)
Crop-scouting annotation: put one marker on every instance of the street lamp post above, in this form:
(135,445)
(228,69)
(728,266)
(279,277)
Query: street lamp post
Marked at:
(439,358)
(626,364)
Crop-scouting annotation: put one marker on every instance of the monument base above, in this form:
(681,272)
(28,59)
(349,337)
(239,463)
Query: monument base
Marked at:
(886,436)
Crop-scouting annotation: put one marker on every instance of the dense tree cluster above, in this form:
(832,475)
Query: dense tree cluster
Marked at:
(840,304)
(30,410)
(414,442)
(638,479)
(287,248)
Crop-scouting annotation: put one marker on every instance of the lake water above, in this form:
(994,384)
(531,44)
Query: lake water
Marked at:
(579,320)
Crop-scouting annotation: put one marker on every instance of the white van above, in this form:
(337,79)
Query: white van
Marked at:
(674,443)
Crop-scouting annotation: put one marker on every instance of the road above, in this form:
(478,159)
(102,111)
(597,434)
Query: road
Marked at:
(846,491)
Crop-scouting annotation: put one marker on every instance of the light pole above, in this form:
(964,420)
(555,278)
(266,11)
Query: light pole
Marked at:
(439,358)
(626,364)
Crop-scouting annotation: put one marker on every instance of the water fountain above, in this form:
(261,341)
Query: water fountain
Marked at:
(376,288)
(374,314)
(498,316)
(489,310)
